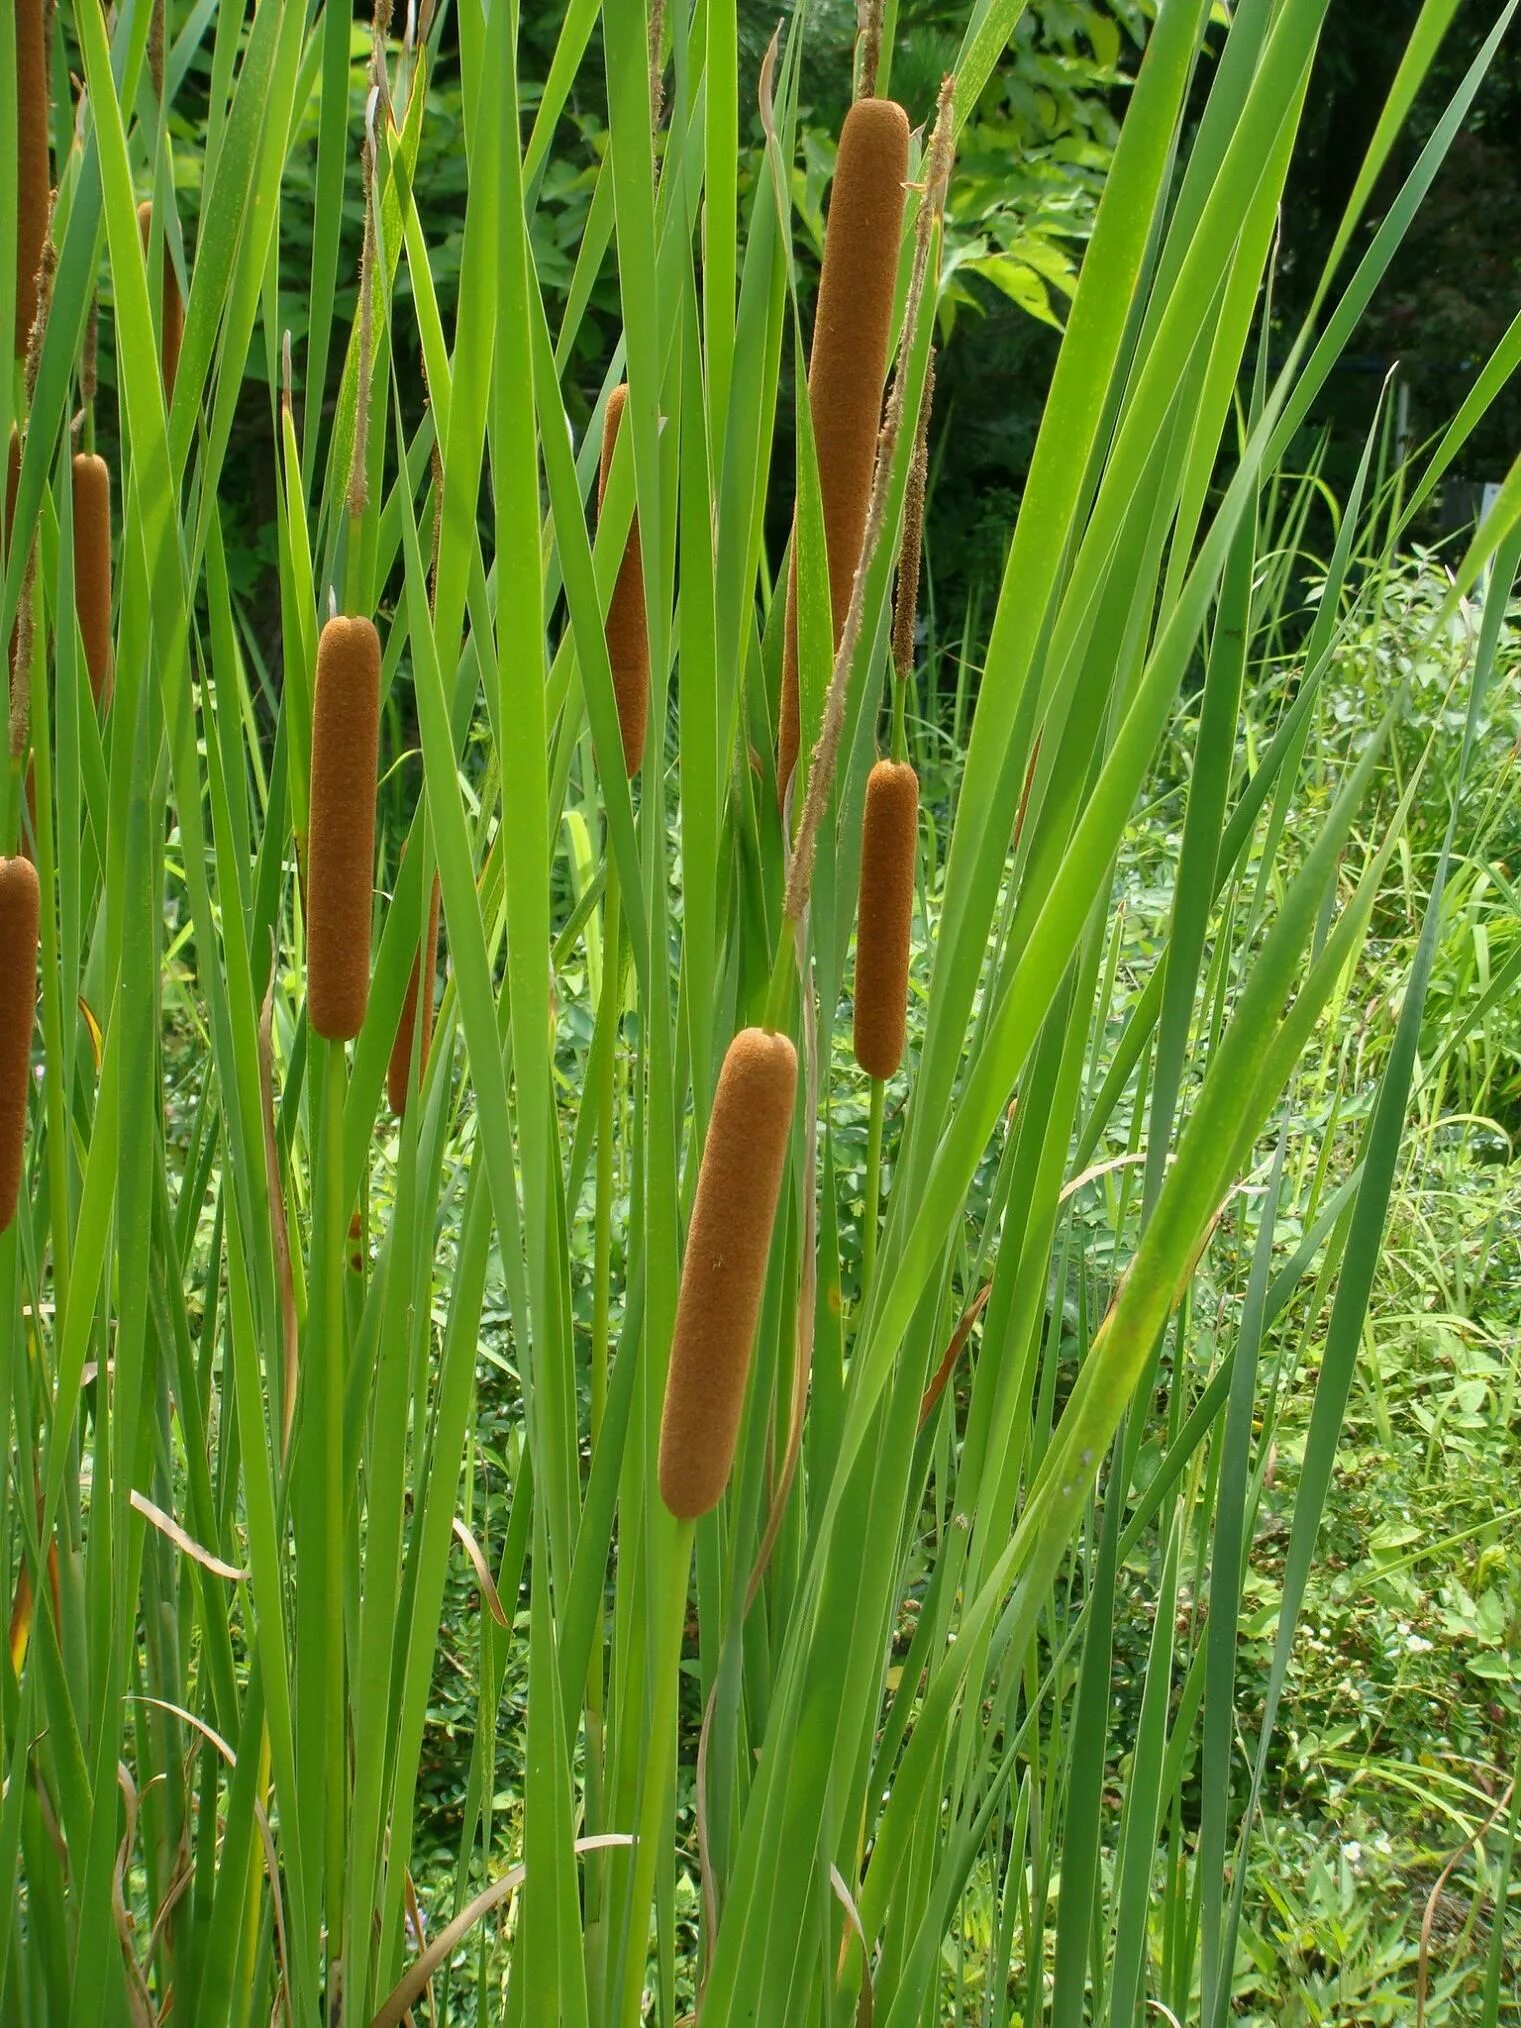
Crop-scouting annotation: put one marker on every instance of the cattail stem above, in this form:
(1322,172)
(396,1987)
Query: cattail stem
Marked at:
(899,747)
(329,1382)
(607,1022)
(872,1210)
(601,1338)
(657,1800)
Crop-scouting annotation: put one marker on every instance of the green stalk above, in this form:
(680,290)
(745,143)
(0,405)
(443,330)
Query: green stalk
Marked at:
(779,992)
(607,1018)
(871,1213)
(332,1236)
(660,1763)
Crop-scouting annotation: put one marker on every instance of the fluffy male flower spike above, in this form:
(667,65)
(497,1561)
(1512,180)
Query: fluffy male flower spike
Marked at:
(628,640)
(19,908)
(723,1272)
(848,362)
(341,840)
(889,839)
(32,186)
(92,569)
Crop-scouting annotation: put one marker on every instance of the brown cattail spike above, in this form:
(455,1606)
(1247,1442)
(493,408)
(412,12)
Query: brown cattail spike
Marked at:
(172,327)
(19,905)
(889,843)
(92,569)
(851,329)
(32,176)
(724,1269)
(628,641)
(419,988)
(341,840)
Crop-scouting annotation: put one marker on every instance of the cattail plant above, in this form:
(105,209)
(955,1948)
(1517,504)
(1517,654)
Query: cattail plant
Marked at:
(92,568)
(723,1271)
(19,906)
(628,641)
(889,836)
(890,822)
(32,194)
(172,309)
(852,326)
(341,842)
(419,995)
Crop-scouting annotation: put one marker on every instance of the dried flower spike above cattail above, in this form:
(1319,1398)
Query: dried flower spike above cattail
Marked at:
(32,173)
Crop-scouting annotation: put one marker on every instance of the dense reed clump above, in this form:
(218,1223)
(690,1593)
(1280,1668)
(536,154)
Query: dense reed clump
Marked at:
(723,1271)
(172,311)
(19,908)
(32,178)
(341,841)
(419,991)
(92,569)
(889,837)
(851,330)
(628,640)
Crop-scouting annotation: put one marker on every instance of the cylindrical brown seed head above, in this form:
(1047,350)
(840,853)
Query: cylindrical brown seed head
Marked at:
(341,840)
(32,178)
(628,640)
(19,901)
(724,1270)
(92,568)
(419,987)
(851,329)
(889,844)
(172,313)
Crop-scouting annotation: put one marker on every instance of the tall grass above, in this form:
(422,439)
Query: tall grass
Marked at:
(846,1748)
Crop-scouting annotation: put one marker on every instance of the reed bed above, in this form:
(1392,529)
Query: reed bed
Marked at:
(659,1532)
